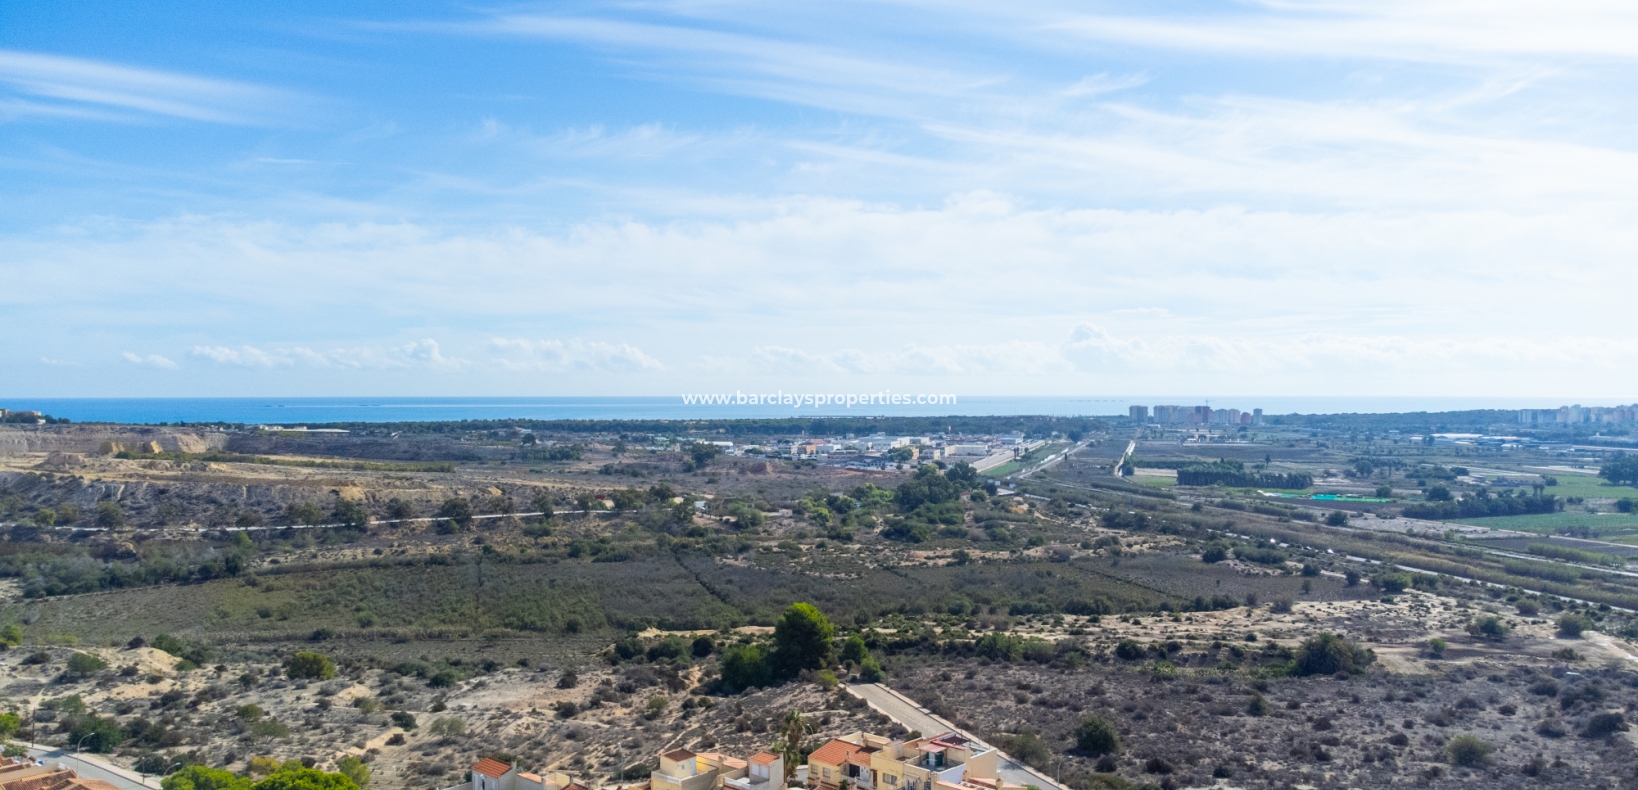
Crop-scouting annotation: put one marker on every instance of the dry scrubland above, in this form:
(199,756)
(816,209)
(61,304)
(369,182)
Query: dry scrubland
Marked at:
(1016,616)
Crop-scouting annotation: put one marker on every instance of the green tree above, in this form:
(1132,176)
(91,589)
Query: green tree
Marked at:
(792,730)
(295,777)
(743,667)
(458,510)
(928,486)
(11,634)
(541,503)
(964,475)
(308,665)
(350,514)
(96,734)
(854,650)
(110,515)
(870,670)
(802,640)
(199,777)
(1621,470)
(1097,736)
(1214,553)
(354,769)
(10,723)
(303,513)
(45,517)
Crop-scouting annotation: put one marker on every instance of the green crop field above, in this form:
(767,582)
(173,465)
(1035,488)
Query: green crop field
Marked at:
(1615,527)
(1589,487)
(1004,469)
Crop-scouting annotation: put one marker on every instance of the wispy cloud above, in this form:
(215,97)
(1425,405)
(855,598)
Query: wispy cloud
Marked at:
(572,356)
(149,360)
(80,87)
(1426,30)
(418,354)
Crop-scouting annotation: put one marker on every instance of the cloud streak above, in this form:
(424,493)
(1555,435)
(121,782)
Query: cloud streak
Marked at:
(97,89)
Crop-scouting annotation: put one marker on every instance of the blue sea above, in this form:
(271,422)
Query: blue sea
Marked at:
(315,411)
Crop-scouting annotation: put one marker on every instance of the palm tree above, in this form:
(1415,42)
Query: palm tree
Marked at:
(789,746)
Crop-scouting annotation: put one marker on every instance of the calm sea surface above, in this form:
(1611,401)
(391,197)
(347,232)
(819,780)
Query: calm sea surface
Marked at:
(312,411)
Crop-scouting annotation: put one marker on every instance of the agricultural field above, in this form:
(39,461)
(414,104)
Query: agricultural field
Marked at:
(1613,527)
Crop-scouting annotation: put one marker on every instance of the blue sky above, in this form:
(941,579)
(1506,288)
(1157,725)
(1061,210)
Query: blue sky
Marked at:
(421,198)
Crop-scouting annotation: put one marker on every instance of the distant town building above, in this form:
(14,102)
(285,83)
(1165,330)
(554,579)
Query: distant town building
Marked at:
(1579,415)
(1139,412)
(1169,415)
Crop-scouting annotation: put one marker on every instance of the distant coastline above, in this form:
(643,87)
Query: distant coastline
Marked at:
(292,411)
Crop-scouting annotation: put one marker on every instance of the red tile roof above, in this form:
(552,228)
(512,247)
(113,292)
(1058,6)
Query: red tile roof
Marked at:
(764,758)
(489,766)
(834,753)
(678,755)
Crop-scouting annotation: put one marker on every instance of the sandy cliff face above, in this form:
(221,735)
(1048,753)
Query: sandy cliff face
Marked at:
(107,439)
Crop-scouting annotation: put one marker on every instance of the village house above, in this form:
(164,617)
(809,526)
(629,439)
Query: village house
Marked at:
(862,761)
(492,774)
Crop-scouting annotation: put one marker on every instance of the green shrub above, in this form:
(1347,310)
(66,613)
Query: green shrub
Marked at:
(354,769)
(1467,751)
(1570,626)
(1096,736)
(82,664)
(1489,627)
(1329,654)
(308,665)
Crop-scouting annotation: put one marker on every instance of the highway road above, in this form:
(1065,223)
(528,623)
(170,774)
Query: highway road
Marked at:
(905,711)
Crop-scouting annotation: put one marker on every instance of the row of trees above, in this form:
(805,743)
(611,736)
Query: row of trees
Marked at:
(1233,474)
(1482,504)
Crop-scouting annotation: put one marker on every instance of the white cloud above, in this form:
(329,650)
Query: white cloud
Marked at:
(1431,30)
(572,356)
(1013,358)
(66,85)
(151,360)
(418,354)
(1096,84)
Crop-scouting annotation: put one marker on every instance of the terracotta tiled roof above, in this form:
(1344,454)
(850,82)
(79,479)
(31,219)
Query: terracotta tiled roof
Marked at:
(531,777)
(678,755)
(834,753)
(489,766)
(764,758)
